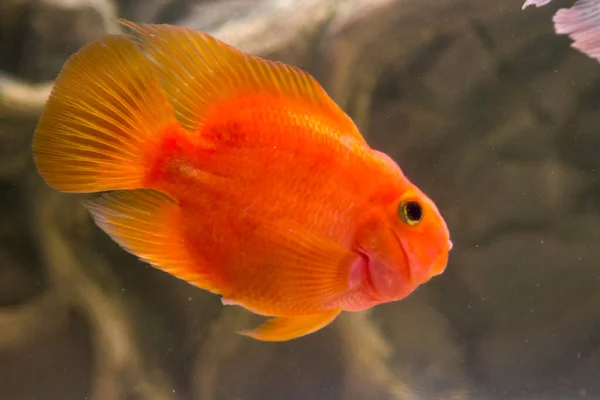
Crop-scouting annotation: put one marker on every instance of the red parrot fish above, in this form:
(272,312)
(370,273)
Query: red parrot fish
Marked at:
(581,22)
(238,175)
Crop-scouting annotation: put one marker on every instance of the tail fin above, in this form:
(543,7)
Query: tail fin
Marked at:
(104,120)
(582,23)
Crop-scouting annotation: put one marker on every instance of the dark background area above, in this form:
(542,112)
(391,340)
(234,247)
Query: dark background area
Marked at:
(483,106)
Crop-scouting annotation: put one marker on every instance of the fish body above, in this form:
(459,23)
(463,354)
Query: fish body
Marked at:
(239,175)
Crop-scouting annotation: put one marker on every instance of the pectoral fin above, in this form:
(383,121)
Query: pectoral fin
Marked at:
(280,329)
(305,265)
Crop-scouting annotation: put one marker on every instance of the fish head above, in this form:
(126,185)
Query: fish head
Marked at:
(423,235)
(404,246)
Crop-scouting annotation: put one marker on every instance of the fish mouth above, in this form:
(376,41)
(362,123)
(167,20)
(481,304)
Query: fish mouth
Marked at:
(440,263)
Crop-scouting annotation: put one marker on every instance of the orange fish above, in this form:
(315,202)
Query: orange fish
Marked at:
(239,175)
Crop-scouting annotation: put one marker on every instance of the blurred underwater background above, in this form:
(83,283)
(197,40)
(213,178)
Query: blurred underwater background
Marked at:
(483,106)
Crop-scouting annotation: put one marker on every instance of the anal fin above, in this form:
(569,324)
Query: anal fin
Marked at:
(148,224)
(280,329)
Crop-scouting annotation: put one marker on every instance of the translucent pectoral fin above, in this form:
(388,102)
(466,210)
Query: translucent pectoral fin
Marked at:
(307,266)
(280,329)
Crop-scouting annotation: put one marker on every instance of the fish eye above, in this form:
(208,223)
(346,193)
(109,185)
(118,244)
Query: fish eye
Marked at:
(411,212)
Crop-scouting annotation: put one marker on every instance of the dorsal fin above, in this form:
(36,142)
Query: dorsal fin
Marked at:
(200,72)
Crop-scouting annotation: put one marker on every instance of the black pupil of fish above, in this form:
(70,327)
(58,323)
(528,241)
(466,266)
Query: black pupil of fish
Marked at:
(413,211)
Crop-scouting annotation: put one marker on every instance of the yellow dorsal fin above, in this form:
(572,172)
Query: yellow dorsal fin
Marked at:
(199,72)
